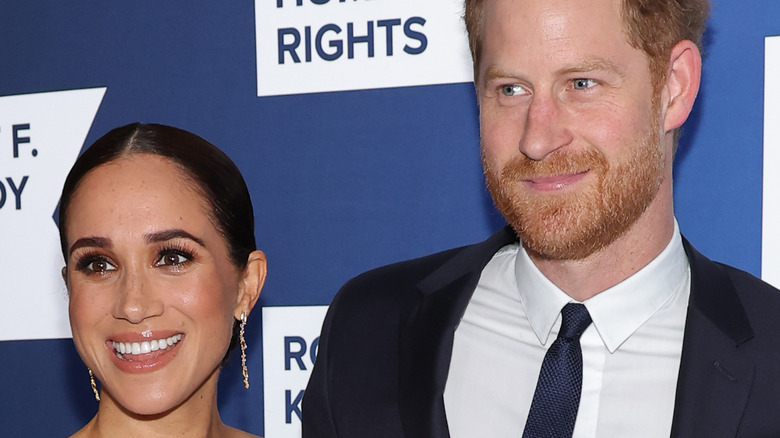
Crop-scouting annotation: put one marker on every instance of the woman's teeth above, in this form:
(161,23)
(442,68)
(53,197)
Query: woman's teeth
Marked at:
(145,347)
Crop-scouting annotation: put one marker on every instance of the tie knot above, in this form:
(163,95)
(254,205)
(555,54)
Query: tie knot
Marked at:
(575,319)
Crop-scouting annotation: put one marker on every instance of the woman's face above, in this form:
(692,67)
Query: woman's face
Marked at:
(153,294)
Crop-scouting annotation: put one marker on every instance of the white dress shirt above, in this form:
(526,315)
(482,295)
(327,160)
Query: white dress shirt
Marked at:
(631,351)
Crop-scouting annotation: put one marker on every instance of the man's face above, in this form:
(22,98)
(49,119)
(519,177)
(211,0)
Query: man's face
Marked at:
(571,138)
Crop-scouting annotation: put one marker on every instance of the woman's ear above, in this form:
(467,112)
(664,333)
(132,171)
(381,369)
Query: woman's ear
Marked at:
(65,278)
(251,284)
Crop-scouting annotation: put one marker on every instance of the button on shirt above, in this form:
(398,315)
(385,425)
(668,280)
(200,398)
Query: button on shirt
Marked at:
(631,352)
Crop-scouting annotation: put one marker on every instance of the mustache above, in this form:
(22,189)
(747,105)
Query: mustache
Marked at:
(558,163)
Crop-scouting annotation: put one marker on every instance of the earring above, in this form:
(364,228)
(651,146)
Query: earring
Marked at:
(94,385)
(242,343)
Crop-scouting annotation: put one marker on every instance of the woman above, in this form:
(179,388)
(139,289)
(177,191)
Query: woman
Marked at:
(157,231)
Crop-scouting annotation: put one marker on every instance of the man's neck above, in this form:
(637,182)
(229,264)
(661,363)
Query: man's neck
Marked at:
(644,241)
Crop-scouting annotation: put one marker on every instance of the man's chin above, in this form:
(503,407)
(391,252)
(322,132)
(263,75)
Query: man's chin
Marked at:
(562,226)
(562,240)
(553,247)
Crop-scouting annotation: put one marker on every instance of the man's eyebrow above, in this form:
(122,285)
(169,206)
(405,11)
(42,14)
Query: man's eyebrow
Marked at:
(590,65)
(91,241)
(495,71)
(594,65)
(175,233)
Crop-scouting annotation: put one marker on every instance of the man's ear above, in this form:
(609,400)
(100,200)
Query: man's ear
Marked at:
(682,84)
(251,284)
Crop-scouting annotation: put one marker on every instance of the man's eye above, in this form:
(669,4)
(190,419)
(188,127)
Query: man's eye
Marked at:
(512,90)
(583,84)
(172,259)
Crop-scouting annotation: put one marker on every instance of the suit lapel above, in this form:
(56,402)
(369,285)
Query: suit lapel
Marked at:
(715,378)
(427,332)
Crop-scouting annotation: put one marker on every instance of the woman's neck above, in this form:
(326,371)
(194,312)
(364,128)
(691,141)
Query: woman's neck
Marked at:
(195,417)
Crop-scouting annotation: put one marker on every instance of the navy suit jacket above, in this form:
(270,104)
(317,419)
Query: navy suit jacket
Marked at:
(386,343)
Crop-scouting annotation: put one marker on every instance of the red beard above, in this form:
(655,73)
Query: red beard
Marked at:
(574,224)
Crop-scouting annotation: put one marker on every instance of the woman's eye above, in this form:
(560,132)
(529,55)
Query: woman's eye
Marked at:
(583,84)
(97,265)
(171,258)
(512,90)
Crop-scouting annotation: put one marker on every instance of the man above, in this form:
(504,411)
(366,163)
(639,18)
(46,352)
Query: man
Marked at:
(580,103)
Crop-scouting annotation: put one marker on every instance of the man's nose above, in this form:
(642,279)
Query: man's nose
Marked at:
(546,128)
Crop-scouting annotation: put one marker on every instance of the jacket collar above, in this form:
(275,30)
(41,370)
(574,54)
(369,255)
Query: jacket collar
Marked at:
(714,380)
(715,377)
(427,333)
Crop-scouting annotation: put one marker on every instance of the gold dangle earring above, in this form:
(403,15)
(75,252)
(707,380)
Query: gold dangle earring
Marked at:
(93,384)
(242,343)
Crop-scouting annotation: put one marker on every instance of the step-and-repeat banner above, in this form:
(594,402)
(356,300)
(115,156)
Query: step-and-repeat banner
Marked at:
(355,125)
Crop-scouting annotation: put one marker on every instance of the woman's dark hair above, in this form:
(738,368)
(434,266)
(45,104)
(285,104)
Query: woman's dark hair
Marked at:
(215,176)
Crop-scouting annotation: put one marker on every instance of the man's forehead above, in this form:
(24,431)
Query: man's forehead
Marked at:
(534,12)
(528,24)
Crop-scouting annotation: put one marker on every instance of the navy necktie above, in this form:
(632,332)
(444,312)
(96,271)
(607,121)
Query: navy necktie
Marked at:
(557,397)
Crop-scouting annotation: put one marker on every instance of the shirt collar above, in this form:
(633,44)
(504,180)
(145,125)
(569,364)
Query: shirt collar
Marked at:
(616,312)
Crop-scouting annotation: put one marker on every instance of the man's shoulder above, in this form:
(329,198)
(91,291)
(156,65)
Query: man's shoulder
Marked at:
(366,313)
(396,279)
(759,300)
(710,275)
(745,281)
(399,281)
(758,296)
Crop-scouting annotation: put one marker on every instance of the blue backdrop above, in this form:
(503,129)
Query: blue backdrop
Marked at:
(341,182)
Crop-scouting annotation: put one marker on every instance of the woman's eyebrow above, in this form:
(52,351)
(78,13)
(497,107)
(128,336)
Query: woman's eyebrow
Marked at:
(175,233)
(91,241)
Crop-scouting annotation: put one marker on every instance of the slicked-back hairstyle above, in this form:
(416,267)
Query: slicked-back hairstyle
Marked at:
(653,26)
(213,174)
(216,177)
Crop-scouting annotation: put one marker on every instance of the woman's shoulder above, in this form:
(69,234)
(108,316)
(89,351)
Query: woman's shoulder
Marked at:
(238,433)
(84,431)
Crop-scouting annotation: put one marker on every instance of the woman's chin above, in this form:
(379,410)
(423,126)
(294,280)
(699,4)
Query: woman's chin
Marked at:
(147,404)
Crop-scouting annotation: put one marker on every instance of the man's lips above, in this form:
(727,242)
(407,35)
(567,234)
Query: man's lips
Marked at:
(554,182)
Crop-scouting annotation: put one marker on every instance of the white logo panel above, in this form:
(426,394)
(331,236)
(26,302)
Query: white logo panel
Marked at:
(309,46)
(290,339)
(770,232)
(40,137)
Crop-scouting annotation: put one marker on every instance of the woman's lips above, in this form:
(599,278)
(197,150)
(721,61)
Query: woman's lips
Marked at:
(144,347)
(146,355)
